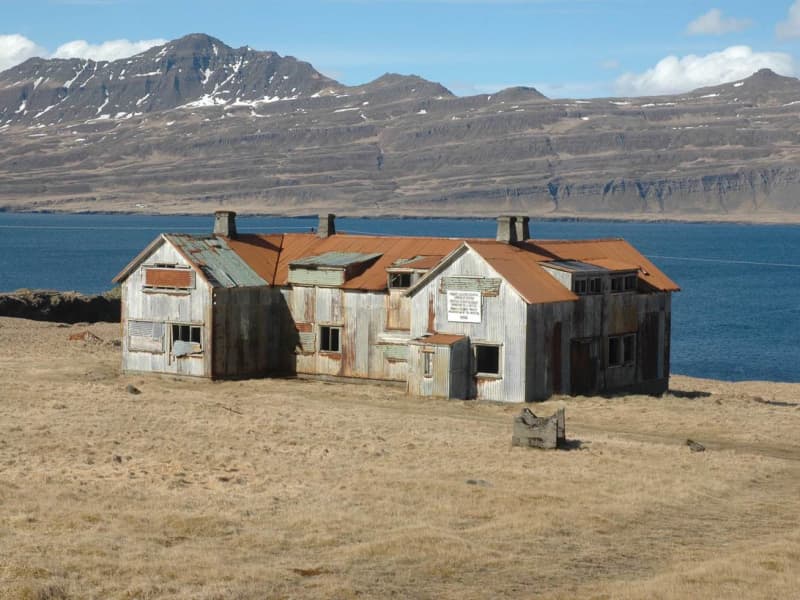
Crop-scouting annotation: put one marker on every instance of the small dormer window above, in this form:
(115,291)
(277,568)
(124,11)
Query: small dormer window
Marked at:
(399,280)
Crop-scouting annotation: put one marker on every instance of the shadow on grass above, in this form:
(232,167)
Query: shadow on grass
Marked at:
(691,395)
(568,445)
(761,400)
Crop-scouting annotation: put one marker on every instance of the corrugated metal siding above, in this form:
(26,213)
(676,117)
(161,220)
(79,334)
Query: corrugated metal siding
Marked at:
(322,277)
(186,307)
(503,321)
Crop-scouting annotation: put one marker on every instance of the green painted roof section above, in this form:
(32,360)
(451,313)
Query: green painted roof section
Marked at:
(212,255)
(334,260)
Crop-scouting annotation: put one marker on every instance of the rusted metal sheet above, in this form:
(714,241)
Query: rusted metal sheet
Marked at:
(218,262)
(169,278)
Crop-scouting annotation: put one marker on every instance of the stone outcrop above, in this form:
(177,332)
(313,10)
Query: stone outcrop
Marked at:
(62,307)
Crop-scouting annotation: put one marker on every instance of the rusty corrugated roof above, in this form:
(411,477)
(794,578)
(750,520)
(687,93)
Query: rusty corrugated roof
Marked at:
(519,266)
(615,249)
(265,259)
(261,252)
(212,255)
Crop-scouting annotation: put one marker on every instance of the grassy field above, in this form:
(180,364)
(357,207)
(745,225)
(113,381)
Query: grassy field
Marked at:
(300,489)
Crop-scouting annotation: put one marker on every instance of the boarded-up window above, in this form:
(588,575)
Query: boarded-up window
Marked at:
(145,336)
(395,352)
(172,279)
(487,286)
(307,342)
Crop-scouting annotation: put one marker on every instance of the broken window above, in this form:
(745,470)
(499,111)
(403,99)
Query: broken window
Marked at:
(186,339)
(330,339)
(399,280)
(621,350)
(487,359)
(427,364)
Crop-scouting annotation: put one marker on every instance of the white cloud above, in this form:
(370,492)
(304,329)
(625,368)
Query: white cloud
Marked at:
(790,28)
(111,50)
(673,75)
(714,23)
(15,49)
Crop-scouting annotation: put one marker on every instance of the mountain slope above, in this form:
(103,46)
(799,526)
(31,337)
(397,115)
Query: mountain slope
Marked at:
(195,70)
(195,125)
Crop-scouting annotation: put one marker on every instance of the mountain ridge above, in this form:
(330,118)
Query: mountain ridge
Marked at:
(195,125)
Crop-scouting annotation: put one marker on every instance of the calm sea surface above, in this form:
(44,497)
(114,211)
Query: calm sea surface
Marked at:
(738,316)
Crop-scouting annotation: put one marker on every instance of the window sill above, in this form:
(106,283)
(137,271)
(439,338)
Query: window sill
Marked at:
(169,292)
(488,376)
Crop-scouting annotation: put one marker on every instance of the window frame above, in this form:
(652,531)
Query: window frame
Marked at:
(329,328)
(427,364)
(403,276)
(192,329)
(488,374)
(624,353)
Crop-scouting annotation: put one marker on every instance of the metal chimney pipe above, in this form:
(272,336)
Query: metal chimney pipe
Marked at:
(225,223)
(327,225)
(523,229)
(506,229)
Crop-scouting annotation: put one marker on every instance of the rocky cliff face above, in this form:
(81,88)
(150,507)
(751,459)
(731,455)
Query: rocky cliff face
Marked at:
(195,125)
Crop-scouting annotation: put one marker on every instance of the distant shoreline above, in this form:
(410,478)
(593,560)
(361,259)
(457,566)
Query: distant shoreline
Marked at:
(771,219)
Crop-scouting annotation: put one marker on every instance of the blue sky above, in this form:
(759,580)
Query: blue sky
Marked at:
(565,48)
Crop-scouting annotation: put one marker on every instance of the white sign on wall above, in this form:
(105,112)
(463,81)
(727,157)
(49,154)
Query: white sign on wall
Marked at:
(463,307)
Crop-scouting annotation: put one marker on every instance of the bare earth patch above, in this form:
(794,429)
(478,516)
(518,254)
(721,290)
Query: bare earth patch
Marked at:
(300,489)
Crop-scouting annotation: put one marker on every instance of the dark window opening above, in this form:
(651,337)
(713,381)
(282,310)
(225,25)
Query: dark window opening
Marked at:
(187,339)
(616,284)
(628,344)
(427,364)
(399,280)
(614,359)
(330,339)
(621,350)
(595,285)
(630,282)
(487,359)
(579,286)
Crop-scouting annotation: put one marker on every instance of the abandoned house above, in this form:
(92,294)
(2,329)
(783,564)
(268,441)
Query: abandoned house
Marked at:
(510,319)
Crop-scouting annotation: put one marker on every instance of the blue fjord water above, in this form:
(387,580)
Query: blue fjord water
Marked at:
(736,318)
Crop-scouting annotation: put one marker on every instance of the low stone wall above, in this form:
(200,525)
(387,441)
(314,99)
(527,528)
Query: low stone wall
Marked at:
(62,307)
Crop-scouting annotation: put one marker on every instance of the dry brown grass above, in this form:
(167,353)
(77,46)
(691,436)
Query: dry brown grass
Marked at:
(299,489)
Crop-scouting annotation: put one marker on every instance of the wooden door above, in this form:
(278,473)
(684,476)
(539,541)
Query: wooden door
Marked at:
(583,367)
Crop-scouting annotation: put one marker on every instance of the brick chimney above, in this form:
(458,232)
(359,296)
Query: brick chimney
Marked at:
(327,225)
(225,223)
(507,229)
(523,228)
